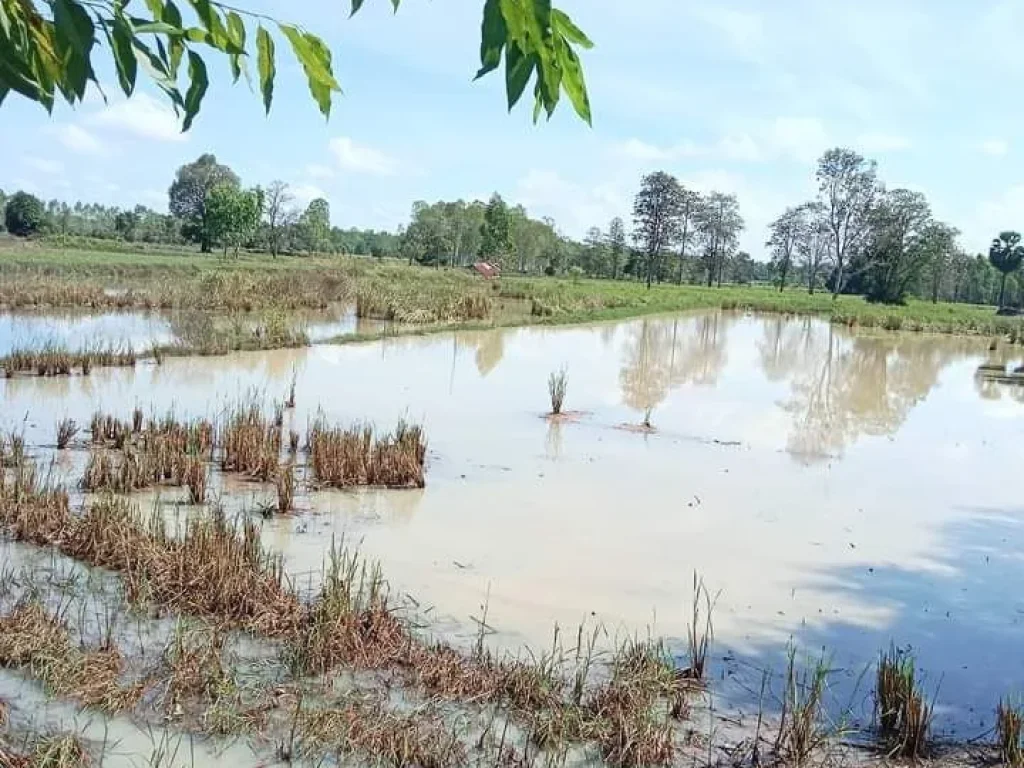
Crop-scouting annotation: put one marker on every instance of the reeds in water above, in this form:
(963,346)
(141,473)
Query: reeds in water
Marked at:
(557,385)
(285,484)
(66,431)
(251,443)
(802,732)
(57,361)
(1009,722)
(904,716)
(344,458)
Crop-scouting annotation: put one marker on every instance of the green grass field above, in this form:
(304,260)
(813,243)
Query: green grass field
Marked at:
(39,275)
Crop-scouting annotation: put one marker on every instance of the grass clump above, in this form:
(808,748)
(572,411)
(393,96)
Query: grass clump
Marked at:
(369,728)
(285,484)
(557,386)
(904,717)
(251,443)
(33,639)
(1009,722)
(801,730)
(343,458)
(66,431)
(58,361)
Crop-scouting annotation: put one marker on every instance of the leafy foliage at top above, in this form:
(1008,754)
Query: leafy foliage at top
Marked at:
(47,50)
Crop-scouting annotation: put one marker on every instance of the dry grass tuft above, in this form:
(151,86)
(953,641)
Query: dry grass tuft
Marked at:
(195,479)
(344,458)
(33,639)
(370,729)
(251,443)
(1009,721)
(285,483)
(66,431)
(56,361)
(801,731)
(904,717)
(558,383)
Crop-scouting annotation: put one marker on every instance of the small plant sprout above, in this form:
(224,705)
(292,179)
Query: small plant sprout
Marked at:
(558,382)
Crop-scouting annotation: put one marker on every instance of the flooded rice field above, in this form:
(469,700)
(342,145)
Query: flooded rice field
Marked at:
(143,330)
(836,490)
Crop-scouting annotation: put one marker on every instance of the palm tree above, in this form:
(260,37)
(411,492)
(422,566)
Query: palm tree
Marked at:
(1006,255)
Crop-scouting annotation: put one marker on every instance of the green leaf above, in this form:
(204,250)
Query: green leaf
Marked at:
(493,35)
(156,7)
(265,65)
(561,23)
(4,90)
(124,55)
(172,15)
(158,28)
(518,68)
(75,36)
(315,58)
(158,72)
(237,31)
(356,5)
(196,90)
(573,82)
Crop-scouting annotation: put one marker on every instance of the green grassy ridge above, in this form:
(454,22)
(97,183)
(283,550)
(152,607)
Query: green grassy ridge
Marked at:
(516,300)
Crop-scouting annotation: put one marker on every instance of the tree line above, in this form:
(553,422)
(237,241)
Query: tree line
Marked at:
(209,208)
(859,237)
(856,236)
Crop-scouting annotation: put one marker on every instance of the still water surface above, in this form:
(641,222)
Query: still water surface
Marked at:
(843,490)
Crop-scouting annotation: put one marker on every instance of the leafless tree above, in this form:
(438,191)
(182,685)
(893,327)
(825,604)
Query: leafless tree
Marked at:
(847,186)
(278,213)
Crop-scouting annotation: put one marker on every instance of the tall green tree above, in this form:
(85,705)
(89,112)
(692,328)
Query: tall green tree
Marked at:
(939,243)
(783,238)
(189,194)
(316,225)
(50,48)
(24,214)
(896,249)
(691,204)
(657,212)
(1005,254)
(495,231)
(847,188)
(3,205)
(719,225)
(616,246)
(233,215)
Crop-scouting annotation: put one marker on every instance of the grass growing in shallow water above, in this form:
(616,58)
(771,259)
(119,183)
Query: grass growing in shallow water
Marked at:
(904,716)
(343,458)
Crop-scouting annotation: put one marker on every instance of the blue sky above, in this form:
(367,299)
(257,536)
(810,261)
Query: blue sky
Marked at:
(731,95)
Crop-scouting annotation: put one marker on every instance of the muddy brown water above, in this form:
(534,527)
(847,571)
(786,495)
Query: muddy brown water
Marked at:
(142,330)
(835,489)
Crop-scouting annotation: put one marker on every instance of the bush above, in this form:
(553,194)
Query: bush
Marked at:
(24,214)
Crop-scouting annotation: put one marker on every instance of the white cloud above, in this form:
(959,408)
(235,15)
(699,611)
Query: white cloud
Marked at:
(992,217)
(50,167)
(303,194)
(575,207)
(802,138)
(141,116)
(361,158)
(743,30)
(739,147)
(76,138)
(317,171)
(882,142)
(994,147)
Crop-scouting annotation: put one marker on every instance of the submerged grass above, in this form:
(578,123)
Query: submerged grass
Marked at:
(57,361)
(32,638)
(1009,724)
(343,458)
(904,716)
